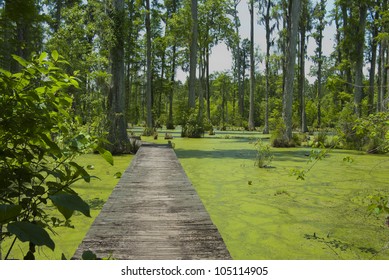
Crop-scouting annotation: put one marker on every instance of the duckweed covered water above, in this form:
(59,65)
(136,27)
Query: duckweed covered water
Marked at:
(269,214)
(264,213)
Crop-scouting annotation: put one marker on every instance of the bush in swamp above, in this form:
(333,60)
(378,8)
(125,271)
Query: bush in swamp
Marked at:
(277,137)
(370,133)
(375,130)
(346,130)
(264,155)
(193,127)
(40,139)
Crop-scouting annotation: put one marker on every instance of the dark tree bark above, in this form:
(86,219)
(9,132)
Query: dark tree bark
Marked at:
(238,60)
(117,132)
(360,43)
(169,123)
(287,108)
(252,68)
(304,21)
(373,62)
(193,56)
(268,28)
(149,96)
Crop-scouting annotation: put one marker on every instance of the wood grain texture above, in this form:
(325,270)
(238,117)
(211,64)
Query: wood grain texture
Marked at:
(154,213)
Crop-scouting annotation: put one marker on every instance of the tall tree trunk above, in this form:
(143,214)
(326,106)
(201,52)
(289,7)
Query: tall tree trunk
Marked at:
(238,59)
(207,86)
(339,55)
(170,124)
(360,43)
(267,65)
(303,31)
(161,86)
(193,56)
(303,122)
(319,52)
(373,63)
(202,85)
(243,112)
(117,134)
(287,108)
(252,68)
(346,49)
(149,96)
(128,92)
(57,16)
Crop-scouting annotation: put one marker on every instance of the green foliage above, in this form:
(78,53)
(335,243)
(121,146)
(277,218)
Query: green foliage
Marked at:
(264,155)
(278,139)
(375,130)
(346,129)
(39,141)
(193,127)
(370,133)
(379,203)
(149,131)
(323,203)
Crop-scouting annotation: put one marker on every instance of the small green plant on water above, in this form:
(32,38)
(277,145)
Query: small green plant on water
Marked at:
(40,140)
(264,156)
(281,192)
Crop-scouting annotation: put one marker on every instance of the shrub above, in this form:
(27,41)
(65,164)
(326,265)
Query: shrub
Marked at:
(264,155)
(277,138)
(39,142)
(193,127)
(148,131)
(346,130)
(375,131)
(170,125)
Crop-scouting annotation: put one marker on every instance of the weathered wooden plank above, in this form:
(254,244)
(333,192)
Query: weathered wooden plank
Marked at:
(154,213)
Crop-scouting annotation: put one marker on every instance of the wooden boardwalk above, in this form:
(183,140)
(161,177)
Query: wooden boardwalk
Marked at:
(154,213)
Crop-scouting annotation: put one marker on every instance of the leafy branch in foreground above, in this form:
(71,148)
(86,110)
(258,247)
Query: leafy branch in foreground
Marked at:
(39,142)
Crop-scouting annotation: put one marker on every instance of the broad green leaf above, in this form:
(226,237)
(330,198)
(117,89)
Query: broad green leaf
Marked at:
(81,171)
(67,213)
(8,211)
(20,60)
(40,90)
(6,73)
(54,55)
(118,175)
(42,57)
(26,231)
(67,203)
(105,154)
(74,83)
(53,146)
(88,255)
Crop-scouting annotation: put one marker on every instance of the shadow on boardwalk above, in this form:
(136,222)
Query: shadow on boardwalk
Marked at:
(154,213)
